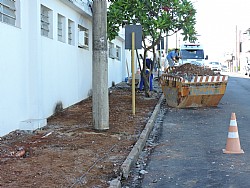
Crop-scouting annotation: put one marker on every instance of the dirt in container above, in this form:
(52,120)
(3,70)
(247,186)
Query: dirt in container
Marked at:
(190,70)
(192,86)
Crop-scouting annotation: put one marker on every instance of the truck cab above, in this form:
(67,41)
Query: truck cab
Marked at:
(192,53)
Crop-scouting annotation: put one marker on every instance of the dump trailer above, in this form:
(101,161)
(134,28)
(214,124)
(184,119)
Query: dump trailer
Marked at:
(187,91)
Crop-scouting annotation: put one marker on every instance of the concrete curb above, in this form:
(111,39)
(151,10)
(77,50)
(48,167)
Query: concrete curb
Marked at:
(139,145)
(116,183)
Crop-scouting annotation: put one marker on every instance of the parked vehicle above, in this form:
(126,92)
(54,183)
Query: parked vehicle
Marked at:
(192,53)
(247,69)
(224,68)
(215,66)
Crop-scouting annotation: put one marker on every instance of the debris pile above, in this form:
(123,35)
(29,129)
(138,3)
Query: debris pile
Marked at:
(190,70)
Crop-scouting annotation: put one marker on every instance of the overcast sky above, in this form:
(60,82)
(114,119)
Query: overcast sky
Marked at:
(216,23)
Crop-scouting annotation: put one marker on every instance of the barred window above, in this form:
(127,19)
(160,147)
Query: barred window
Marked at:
(70,32)
(46,22)
(61,28)
(118,52)
(83,37)
(86,37)
(111,47)
(8,12)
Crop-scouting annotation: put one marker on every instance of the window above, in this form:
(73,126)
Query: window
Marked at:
(111,50)
(114,51)
(61,28)
(118,52)
(8,12)
(46,22)
(83,37)
(192,54)
(71,32)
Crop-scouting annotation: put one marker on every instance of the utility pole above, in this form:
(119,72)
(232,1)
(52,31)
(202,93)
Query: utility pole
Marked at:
(176,40)
(236,49)
(100,98)
(166,52)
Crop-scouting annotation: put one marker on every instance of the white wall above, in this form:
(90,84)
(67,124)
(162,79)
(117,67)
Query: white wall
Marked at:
(66,69)
(116,67)
(13,58)
(36,72)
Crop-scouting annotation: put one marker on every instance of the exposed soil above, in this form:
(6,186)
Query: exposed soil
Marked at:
(68,152)
(190,70)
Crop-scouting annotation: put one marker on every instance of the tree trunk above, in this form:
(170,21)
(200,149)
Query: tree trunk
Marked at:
(100,97)
(145,76)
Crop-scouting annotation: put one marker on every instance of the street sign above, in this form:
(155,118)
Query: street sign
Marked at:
(137,29)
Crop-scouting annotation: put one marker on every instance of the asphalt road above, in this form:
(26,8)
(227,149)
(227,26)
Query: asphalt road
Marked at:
(189,150)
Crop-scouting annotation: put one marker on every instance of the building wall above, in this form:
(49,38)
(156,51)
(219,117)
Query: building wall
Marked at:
(12,76)
(66,69)
(38,72)
(244,55)
(117,68)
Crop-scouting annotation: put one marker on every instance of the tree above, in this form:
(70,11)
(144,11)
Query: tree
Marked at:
(159,18)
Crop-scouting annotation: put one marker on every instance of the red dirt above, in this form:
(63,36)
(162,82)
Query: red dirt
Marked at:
(188,69)
(68,152)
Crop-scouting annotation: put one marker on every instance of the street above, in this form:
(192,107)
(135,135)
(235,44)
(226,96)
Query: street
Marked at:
(189,153)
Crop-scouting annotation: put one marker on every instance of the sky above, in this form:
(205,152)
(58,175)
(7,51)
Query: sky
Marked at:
(217,21)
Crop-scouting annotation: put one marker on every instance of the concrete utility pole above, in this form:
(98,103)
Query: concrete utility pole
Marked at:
(100,99)
(236,48)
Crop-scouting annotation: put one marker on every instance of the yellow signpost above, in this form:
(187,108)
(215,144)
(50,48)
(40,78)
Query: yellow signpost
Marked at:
(133,72)
(133,41)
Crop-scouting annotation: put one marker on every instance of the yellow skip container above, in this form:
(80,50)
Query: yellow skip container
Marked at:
(195,91)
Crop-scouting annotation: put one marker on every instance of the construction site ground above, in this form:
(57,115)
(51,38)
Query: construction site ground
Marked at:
(69,152)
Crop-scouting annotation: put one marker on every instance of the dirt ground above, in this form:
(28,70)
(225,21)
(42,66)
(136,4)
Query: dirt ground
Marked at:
(68,152)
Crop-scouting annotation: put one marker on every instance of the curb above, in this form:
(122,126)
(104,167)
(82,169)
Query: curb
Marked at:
(139,145)
(116,183)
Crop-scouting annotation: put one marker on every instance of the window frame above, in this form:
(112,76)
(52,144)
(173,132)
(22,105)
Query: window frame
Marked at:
(111,45)
(61,30)
(8,12)
(46,21)
(71,32)
(118,52)
(83,37)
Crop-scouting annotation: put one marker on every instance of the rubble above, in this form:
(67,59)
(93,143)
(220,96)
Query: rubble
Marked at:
(190,70)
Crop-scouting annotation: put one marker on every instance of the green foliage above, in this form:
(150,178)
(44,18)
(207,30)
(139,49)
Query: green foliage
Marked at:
(157,17)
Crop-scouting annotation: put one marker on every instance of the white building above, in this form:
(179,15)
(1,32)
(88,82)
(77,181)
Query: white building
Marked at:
(46,59)
(244,50)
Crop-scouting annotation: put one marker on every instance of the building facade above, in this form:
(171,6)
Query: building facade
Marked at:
(244,49)
(46,59)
